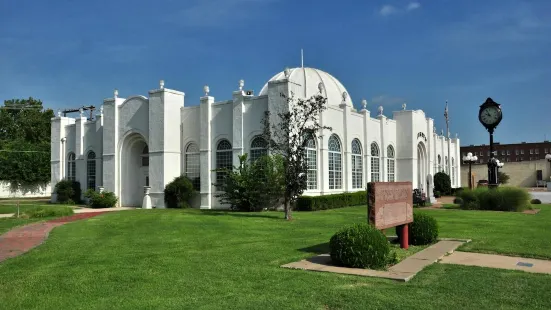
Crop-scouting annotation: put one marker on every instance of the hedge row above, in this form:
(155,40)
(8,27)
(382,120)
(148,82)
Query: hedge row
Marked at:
(334,201)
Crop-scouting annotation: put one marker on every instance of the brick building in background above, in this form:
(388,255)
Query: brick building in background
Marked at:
(516,152)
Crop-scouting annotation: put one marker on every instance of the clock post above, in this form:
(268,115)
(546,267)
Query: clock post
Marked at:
(490,116)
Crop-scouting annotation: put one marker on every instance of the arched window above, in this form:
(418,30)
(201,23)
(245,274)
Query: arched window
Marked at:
(357,164)
(223,160)
(91,170)
(192,161)
(311,162)
(145,156)
(391,164)
(375,163)
(259,148)
(446,162)
(335,163)
(71,167)
(439,164)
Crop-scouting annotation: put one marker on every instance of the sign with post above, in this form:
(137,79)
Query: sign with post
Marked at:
(390,204)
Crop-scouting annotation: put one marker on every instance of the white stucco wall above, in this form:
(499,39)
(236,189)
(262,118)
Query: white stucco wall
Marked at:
(29,191)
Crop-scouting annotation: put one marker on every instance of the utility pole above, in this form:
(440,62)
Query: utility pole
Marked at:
(447,116)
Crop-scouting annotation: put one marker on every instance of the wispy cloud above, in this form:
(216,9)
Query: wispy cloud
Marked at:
(386,100)
(413,6)
(387,9)
(498,32)
(213,13)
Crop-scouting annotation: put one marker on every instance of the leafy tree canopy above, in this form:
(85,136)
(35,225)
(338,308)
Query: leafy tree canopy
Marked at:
(25,142)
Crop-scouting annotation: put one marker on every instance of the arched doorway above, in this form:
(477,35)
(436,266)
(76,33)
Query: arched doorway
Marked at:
(133,170)
(422,166)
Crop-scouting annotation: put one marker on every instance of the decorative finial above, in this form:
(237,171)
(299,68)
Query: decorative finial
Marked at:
(301,58)
(58,113)
(364,104)
(404,106)
(344,96)
(321,87)
(81,111)
(241,84)
(380,110)
(206,89)
(287,73)
(162,84)
(441,132)
(101,110)
(116,93)
(456,135)
(434,130)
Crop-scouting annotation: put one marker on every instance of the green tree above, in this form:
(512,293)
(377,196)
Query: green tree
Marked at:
(253,186)
(442,183)
(25,143)
(287,131)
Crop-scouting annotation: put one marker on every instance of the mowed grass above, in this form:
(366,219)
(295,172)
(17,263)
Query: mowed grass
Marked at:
(9,206)
(508,233)
(188,259)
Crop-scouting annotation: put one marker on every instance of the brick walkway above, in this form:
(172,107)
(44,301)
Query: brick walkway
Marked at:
(22,239)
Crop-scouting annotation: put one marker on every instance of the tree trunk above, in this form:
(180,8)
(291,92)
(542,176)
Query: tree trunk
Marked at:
(287,202)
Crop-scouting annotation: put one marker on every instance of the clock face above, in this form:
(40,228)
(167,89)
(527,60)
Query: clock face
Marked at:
(489,115)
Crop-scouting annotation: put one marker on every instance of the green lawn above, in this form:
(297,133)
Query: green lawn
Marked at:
(174,259)
(8,206)
(511,233)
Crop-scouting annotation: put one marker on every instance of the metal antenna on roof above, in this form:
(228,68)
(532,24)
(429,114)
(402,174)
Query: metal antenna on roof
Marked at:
(301,58)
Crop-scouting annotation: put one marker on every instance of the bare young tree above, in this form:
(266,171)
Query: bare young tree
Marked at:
(288,131)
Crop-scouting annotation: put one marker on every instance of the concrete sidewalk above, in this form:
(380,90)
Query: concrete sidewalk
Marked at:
(498,261)
(403,271)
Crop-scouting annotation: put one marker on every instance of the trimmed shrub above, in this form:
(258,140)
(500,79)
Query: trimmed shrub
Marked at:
(456,191)
(535,201)
(423,230)
(457,200)
(437,194)
(334,201)
(101,200)
(44,211)
(502,177)
(361,246)
(179,192)
(68,191)
(497,199)
(442,183)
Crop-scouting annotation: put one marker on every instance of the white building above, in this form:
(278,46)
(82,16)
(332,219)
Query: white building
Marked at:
(140,141)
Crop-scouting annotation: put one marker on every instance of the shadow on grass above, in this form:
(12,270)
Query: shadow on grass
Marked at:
(321,248)
(270,215)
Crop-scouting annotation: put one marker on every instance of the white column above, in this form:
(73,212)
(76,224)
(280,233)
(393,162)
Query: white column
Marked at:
(205,146)
(346,144)
(382,154)
(110,119)
(99,148)
(366,147)
(165,110)
(237,142)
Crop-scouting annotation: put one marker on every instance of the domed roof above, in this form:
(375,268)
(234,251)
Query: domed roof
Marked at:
(308,80)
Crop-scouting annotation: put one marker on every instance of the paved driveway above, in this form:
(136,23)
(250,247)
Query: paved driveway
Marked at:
(545,197)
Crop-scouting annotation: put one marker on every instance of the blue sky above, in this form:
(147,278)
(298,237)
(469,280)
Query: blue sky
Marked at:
(74,53)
